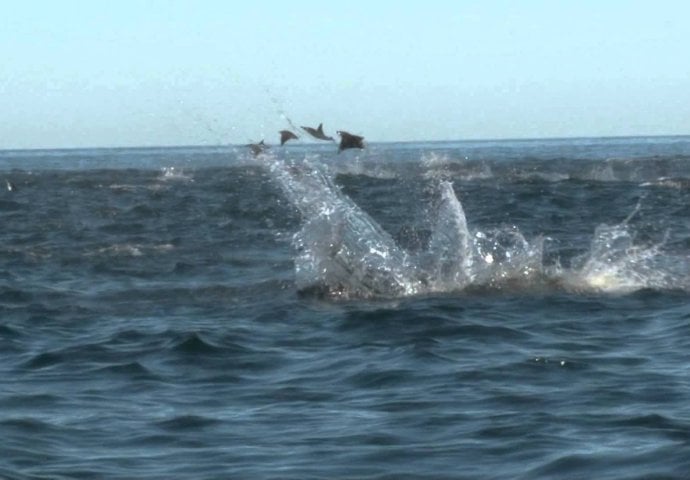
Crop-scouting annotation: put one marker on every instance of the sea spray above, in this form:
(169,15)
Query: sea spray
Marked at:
(449,252)
(341,250)
(614,263)
(504,256)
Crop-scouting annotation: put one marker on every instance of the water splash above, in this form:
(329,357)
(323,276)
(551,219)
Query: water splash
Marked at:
(614,263)
(449,252)
(505,257)
(602,173)
(343,252)
(174,174)
(439,166)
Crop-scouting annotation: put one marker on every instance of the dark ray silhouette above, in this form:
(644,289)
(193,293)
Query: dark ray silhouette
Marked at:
(318,133)
(347,140)
(286,135)
(257,148)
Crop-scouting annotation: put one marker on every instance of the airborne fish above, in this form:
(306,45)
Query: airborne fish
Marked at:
(257,148)
(347,140)
(286,135)
(317,132)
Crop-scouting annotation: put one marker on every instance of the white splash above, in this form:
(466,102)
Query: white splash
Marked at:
(130,250)
(450,257)
(615,264)
(340,249)
(342,252)
(174,174)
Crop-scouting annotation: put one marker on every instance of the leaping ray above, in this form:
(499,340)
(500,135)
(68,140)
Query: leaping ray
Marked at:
(347,140)
(257,148)
(318,133)
(286,135)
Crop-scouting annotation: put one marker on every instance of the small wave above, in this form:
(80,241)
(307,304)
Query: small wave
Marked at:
(9,206)
(8,332)
(79,356)
(44,360)
(130,370)
(194,344)
(12,296)
(29,424)
(174,174)
(371,378)
(555,363)
(28,401)
(550,177)
(614,461)
(129,250)
(439,167)
(677,183)
(299,394)
(187,422)
(119,187)
(365,170)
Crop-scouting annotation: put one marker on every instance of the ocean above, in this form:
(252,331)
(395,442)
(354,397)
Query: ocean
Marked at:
(514,309)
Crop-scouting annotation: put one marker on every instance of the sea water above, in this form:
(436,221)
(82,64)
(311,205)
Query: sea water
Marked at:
(490,309)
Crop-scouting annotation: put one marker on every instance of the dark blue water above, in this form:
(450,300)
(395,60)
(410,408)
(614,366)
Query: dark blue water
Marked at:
(479,310)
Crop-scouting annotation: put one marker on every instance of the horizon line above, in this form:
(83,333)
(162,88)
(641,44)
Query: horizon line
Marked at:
(386,142)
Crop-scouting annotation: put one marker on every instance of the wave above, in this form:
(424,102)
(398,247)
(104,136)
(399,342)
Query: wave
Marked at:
(342,252)
(174,174)
(668,171)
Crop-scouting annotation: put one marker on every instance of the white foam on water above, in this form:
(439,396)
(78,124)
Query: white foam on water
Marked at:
(174,174)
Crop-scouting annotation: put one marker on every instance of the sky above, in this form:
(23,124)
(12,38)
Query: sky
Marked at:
(154,73)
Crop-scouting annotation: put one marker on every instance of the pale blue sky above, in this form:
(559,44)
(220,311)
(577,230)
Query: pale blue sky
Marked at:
(145,73)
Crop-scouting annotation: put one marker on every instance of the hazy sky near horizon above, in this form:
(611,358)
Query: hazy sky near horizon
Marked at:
(146,73)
